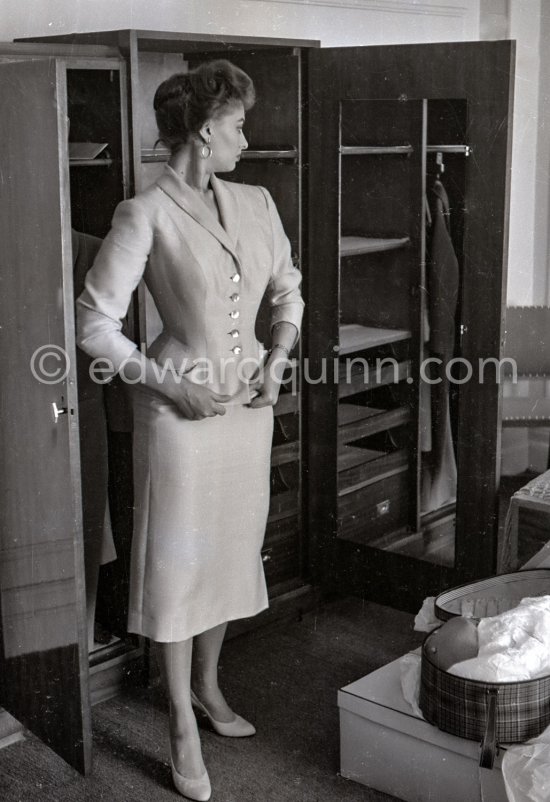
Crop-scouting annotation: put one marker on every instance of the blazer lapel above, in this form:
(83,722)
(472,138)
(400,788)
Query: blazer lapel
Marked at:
(228,206)
(183,195)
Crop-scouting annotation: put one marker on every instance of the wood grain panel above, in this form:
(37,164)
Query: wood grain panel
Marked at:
(43,675)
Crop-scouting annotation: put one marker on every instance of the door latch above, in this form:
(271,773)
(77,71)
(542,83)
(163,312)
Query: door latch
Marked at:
(57,411)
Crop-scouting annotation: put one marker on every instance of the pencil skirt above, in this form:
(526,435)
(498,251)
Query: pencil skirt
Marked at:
(200,510)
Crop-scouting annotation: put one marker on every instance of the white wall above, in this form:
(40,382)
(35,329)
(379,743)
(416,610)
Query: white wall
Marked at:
(525,28)
(334,22)
(528,22)
(541,271)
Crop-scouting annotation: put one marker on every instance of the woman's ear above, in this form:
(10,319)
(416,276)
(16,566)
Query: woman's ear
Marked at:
(205,132)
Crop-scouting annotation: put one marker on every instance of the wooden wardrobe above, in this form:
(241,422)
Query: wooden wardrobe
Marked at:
(343,140)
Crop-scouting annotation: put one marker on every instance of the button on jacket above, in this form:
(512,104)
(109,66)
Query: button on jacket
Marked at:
(207,280)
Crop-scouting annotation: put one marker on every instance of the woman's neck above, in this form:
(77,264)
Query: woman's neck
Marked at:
(192,169)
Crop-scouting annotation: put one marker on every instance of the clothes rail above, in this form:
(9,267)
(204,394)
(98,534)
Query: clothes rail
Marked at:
(465,149)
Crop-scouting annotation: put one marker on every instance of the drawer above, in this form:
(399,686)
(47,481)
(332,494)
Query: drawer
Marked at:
(378,509)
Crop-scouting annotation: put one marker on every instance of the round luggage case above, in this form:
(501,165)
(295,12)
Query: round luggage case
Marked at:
(493,712)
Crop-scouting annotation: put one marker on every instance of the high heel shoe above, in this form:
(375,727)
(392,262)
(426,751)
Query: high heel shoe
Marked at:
(238,728)
(198,790)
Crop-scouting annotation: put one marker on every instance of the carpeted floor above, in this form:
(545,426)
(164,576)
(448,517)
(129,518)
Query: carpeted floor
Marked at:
(283,677)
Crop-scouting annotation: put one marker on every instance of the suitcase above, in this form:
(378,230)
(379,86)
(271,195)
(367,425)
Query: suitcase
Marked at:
(492,712)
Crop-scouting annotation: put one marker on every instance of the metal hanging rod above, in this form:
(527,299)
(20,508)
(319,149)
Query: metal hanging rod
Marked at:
(374,150)
(380,150)
(163,154)
(465,149)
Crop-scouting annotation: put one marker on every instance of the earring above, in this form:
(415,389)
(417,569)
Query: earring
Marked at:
(206,150)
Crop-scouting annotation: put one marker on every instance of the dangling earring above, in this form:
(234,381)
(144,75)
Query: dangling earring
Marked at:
(206,150)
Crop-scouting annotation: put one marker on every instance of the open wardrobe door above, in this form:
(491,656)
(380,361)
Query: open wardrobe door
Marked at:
(43,650)
(409,170)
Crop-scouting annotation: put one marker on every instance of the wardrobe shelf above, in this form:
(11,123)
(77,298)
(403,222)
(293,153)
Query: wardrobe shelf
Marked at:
(283,154)
(348,414)
(356,421)
(354,337)
(351,456)
(283,505)
(436,547)
(90,162)
(355,246)
(359,467)
(376,150)
(287,403)
(371,472)
(375,376)
(287,452)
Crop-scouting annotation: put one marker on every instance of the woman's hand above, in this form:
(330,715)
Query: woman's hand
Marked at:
(195,401)
(268,382)
(267,389)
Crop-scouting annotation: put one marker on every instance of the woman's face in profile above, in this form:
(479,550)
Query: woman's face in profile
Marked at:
(226,137)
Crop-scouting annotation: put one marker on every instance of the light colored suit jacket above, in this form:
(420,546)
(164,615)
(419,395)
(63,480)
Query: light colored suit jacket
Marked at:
(207,280)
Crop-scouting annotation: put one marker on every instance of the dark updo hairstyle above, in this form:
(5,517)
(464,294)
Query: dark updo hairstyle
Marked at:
(185,101)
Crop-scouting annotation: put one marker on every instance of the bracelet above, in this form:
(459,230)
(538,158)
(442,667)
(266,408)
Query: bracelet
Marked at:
(281,348)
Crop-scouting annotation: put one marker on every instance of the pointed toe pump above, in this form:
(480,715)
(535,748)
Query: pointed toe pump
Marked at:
(198,790)
(237,728)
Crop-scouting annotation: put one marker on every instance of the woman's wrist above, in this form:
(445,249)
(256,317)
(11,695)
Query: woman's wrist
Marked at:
(282,349)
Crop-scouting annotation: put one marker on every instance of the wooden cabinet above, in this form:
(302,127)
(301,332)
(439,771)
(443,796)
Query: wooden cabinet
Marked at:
(274,159)
(346,140)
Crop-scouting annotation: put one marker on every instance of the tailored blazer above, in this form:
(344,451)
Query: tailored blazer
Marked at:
(206,278)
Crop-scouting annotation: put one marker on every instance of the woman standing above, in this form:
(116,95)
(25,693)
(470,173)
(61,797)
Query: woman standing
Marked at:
(203,410)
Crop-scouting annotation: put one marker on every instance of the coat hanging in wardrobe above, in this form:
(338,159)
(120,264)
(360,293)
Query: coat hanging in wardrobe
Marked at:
(439,476)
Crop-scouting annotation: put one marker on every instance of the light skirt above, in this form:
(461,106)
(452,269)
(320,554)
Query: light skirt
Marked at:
(201,506)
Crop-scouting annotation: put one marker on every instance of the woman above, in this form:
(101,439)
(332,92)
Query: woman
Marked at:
(208,251)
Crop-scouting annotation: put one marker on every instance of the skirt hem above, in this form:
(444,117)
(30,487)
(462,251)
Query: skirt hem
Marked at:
(138,626)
